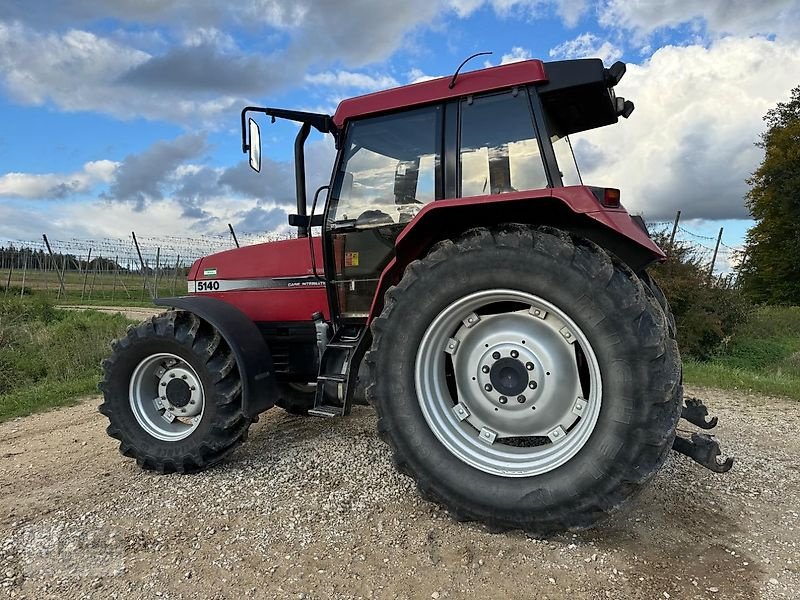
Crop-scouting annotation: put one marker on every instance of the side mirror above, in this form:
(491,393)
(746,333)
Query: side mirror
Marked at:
(255,146)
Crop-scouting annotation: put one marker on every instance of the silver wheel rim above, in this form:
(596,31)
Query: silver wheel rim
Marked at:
(166,397)
(474,343)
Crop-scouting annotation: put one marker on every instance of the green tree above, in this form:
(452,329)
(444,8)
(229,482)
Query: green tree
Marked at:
(771,270)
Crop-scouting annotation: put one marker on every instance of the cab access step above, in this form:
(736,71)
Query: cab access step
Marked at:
(337,380)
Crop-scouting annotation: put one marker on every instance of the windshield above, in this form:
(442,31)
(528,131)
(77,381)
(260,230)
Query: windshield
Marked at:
(390,169)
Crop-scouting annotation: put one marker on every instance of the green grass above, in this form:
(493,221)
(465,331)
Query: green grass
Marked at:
(101,288)
(44,395)
(49,357)
(762,355)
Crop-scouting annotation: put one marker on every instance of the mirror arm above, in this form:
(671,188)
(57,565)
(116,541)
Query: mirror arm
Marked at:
(320,122)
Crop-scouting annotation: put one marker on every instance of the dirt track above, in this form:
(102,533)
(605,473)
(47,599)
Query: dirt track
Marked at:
(310,508)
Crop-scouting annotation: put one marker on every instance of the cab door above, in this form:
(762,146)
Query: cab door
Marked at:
(388,168)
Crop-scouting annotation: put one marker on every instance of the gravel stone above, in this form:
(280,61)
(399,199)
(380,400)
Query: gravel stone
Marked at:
(313,508)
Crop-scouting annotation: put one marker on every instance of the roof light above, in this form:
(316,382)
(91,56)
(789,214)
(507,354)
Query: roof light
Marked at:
(614,73)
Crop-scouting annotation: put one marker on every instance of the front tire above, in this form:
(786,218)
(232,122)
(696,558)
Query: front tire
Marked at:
(173,394)
(565,398)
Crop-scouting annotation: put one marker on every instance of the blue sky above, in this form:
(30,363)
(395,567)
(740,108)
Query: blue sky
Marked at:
(125,115)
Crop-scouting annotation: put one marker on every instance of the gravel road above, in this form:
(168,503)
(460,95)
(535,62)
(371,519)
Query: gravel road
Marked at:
(312,508)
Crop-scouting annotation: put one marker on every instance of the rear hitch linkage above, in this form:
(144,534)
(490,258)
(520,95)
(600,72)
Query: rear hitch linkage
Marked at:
(701,447)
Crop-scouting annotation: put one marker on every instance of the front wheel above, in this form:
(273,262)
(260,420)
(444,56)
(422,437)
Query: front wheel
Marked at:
(524,379)
(172,394)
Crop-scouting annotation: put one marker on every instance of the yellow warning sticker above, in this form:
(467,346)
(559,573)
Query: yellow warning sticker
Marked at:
(351,259)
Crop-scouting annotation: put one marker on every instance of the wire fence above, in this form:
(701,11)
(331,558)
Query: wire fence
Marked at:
(139,268)
(108,270)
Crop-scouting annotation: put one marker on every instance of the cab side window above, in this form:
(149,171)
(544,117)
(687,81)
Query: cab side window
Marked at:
(499,151)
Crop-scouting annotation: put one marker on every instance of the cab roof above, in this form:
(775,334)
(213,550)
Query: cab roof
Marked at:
(436,90)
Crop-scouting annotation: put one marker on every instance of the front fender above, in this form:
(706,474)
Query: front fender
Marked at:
(245,341)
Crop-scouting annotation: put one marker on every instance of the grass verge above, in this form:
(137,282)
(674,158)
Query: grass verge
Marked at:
(50,357)
(762,355)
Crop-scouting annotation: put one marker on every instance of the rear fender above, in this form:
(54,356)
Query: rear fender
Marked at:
(574,209)
(245,341)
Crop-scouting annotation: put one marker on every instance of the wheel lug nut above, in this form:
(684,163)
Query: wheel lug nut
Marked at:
(529,366)
(163,383)
(485,369)
(514,354)
(488,387)
(172,375)
(533,385)
(183,376)
(193,388)
(521,399)
(495,355)
(503,399)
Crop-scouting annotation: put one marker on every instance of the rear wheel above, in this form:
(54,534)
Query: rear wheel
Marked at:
(524,379)
(172,394)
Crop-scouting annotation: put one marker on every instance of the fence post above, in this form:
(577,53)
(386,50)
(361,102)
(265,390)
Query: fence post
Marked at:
(155,276)
(175,274)
(674,228)
(86,273)
(10,273)
(24,269)
(116,270)
(233,235)
(141,262)
(94,278)
(714,257)
(61,289)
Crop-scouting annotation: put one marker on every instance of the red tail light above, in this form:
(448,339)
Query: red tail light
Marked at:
(608,197)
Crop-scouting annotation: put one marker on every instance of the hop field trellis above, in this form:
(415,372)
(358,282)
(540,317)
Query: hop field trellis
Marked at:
(139,268)
(95,271)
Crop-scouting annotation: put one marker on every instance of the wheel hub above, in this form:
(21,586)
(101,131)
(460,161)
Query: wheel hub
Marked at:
(180,392)
(509,377)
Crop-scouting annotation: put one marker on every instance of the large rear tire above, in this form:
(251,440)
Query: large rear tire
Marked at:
(173,395)
(525,379)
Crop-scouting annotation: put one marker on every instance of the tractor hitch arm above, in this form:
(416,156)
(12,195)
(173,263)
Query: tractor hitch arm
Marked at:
(696,412)
(704,450)
(701,447)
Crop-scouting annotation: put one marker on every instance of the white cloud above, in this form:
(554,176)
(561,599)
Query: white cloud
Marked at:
(516,55)
(689,145)
(349,79)
(587,45)
(79,71)
(418,76)
(570,11)
(57,185)
(742,17)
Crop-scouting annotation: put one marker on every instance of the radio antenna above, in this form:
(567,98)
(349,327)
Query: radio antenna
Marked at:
(453,80)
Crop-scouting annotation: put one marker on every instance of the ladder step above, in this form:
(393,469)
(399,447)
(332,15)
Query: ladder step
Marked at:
(333,378)
(326,411)
(340,346)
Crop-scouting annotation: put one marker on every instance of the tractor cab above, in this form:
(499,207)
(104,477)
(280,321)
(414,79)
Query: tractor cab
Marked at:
(477,136)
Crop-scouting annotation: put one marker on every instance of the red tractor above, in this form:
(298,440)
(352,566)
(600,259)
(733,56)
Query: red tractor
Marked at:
(494,310)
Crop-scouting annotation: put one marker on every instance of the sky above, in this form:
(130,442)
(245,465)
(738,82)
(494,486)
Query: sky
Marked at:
(124,115)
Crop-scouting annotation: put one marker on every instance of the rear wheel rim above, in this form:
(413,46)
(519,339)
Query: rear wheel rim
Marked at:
(166,397)
(508,383)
